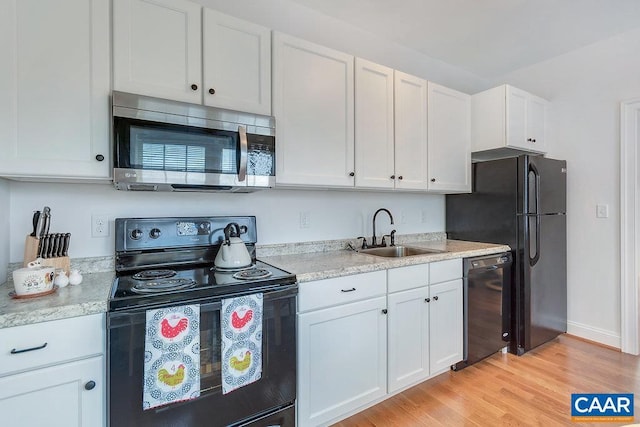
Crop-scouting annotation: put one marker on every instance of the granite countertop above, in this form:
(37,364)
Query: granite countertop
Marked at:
(325,265)
(89,297)
(321,260)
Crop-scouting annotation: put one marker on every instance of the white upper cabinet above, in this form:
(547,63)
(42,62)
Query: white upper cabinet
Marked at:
(54,89)
(313,101)
(410,132)
(236,63)
(449,153)
(374,139)
(157,48)
(508,118)
(175,49)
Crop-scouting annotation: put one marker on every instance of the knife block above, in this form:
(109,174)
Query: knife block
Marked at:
(31,253)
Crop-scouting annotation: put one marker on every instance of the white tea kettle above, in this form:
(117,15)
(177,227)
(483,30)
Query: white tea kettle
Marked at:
(233,253)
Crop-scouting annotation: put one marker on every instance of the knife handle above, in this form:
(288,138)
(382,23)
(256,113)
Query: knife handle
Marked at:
(36,217)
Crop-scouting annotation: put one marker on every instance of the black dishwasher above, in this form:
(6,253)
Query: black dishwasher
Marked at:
(487,306)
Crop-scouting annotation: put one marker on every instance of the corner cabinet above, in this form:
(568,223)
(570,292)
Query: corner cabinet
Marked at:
(50,376)
(313,102)
(176,49)
(342,346)
(449,135)
(508,118)
(54,89)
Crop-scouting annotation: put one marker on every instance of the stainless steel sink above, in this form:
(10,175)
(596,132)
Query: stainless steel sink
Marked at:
(399,251)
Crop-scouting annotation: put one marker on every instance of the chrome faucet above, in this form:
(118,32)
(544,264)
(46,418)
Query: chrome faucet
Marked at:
(373,238)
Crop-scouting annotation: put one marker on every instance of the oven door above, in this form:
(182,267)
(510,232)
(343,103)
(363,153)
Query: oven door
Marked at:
(274,393)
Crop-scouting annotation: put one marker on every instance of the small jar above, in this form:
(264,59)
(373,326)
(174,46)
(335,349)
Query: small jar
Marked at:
(75,278)
(61,279)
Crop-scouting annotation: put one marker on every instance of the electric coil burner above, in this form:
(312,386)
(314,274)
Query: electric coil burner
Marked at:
(154,274)
(162,263)
(252,274)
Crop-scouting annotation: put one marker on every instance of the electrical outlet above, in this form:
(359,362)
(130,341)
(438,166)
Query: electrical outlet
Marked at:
(305,219)
(99,225)
(602,211)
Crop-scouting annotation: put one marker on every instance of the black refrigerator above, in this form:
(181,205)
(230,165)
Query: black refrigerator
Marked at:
(521,202)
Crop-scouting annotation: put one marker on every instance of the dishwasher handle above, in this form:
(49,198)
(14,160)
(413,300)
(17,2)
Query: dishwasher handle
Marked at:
(487,263)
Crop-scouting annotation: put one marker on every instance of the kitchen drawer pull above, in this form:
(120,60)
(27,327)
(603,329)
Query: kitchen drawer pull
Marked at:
(14,351)
(90,385)
(348,290)
(435,298)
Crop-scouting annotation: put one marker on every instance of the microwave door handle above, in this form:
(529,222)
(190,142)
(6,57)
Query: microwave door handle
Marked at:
(242,173)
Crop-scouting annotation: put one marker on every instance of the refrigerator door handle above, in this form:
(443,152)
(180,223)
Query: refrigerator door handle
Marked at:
(536,183)
(533,170)
(533,260)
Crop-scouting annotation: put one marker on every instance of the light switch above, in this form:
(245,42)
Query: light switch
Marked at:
(305,219)
(602,211)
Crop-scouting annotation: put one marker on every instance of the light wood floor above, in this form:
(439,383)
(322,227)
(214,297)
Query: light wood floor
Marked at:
(530,390)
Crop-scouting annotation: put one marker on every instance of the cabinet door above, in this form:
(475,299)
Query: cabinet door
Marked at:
(342,360)
(374,125)
(157,48)
(408,337)
(445,325)
(236,63)
(58,396)
(313,105)
(449,136)
(410,131)
(54,88)
(536,112)
(516,132)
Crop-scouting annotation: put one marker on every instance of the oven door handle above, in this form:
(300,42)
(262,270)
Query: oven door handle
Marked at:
(244,148)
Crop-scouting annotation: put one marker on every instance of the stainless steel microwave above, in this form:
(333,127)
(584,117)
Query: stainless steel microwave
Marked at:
(163,145)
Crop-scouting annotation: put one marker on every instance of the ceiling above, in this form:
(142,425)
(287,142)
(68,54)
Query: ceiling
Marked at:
(488,38)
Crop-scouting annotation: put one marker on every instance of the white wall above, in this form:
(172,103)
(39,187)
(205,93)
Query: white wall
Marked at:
(4,228)
(585,88)
(334,214)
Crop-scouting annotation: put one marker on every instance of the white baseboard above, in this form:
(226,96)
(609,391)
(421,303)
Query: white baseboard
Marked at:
(601,336)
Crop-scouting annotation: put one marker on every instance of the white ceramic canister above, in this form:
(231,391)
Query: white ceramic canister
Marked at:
(61,279)
(75,278)
(33,279)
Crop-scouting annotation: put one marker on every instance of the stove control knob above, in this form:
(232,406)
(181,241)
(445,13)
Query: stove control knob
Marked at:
(136,234)
(155,233)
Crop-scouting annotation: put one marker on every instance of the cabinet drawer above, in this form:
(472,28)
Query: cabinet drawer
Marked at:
(340,290)
(65,339)
(442,271)
(410,277)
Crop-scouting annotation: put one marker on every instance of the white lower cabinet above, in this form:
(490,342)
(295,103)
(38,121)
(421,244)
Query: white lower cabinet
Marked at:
(342,349)
(364,337)
(425,333)
(445,325)
(66,395)
(53,373)
(408,338)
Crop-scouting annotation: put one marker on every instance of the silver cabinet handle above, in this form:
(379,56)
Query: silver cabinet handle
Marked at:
(14,351)
(244,147)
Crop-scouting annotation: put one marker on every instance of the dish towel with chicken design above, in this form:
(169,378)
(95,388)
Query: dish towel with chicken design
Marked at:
(171,355)
(241,320)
